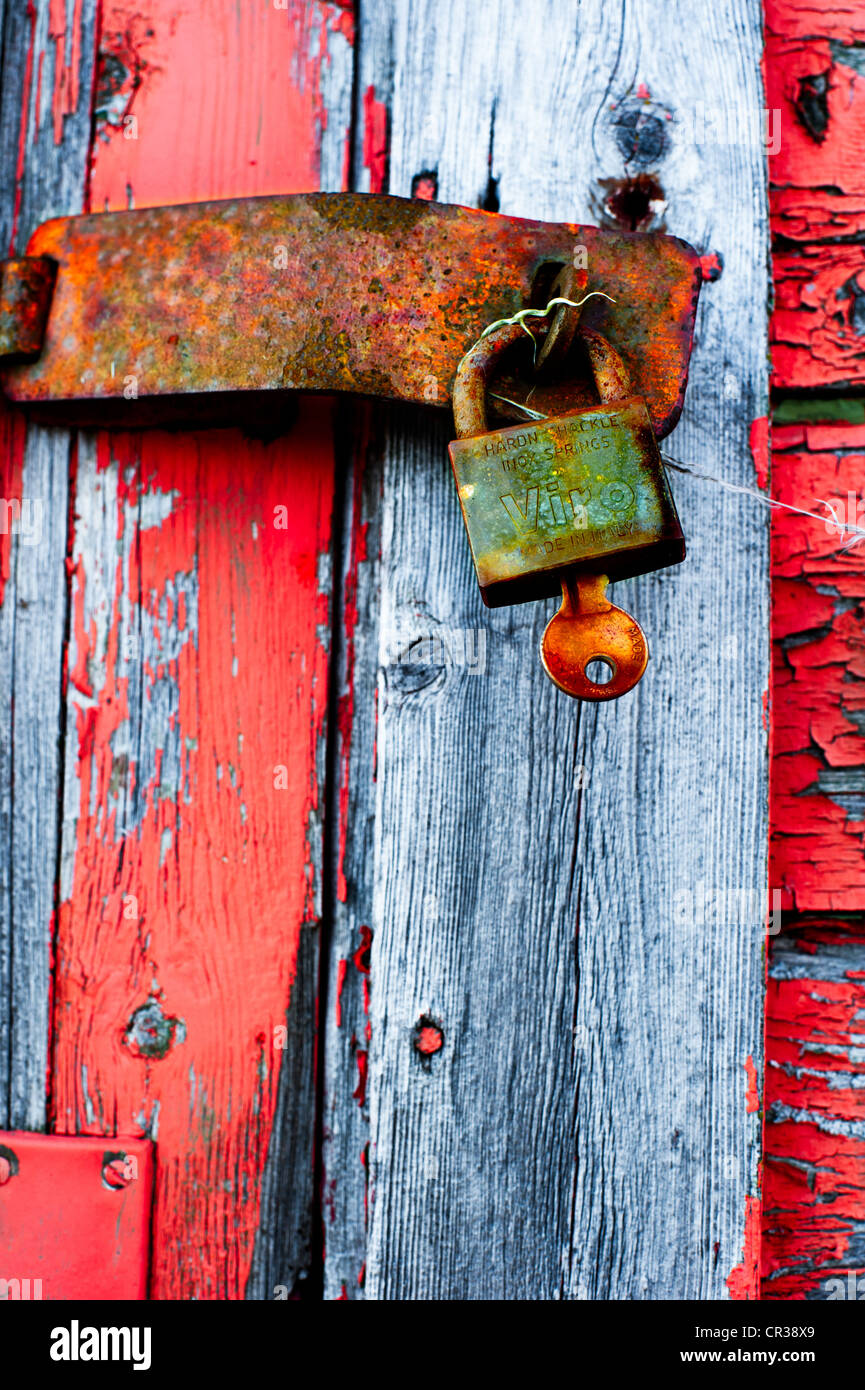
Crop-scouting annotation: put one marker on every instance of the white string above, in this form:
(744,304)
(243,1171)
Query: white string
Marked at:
(522,314)
(831,522)
(855,534)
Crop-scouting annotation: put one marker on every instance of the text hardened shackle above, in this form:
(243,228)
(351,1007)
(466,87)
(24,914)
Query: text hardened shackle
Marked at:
(587,627)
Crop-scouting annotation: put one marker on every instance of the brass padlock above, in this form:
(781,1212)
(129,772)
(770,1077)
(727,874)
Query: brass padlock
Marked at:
(571,501)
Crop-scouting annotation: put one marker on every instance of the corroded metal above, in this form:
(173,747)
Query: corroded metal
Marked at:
(26,283)
(586,630)
(160,309)
(585,490)
(568,284)
(569,502)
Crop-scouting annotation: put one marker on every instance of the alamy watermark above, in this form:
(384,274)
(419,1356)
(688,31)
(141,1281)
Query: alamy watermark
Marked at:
(20,1290)
(731,125)
(846,518)
(22,519)
(852,1288)
(462,647)
(703,906)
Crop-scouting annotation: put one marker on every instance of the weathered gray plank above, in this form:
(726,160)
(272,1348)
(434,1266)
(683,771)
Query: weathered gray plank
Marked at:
(346,1001)
(282,1256)
(583,1130)
(48,180)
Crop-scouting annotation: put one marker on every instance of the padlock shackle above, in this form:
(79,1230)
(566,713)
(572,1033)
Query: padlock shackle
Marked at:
(475,370)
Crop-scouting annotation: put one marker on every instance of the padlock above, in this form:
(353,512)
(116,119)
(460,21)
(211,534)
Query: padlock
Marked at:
(571,501)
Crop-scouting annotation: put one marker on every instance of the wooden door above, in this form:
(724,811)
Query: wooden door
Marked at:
(426,982)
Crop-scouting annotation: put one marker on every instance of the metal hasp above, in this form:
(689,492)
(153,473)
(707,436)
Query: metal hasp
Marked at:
(74,1216)
(158,310)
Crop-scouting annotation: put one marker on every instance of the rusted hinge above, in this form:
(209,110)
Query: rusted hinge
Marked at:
(204,311)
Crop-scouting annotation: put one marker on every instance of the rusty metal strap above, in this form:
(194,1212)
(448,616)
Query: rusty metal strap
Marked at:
(25,298)
(320,292)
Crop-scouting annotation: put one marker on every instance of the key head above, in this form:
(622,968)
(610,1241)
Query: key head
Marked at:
(589,628)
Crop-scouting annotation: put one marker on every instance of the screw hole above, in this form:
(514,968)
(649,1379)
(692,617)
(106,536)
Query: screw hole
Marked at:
(600,671)
(633,204)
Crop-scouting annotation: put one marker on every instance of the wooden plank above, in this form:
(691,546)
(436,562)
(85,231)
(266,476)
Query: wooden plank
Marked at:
(191,858)
(45,130)
(563,1060)
(818,700)
(346,1000)
(814,1187)
(815,92)
(814,1202)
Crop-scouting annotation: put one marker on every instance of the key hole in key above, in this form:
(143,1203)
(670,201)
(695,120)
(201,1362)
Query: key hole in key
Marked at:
(600,670)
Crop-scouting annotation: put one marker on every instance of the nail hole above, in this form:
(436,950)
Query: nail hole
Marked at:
(425,185)
(599,671)
(632,205)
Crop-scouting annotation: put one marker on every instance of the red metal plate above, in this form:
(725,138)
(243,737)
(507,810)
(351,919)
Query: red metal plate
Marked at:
(374,295)
(74,1216)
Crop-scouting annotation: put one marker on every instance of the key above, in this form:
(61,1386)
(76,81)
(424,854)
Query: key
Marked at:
(566,504)
(589,631)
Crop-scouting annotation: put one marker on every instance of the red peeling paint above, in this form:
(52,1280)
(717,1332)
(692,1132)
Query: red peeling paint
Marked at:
(244,92)
(13,434)
(814,1196)
(67,61)
(758,442)
(817,183)
(743,1280)
(752,1103)
(214,849)
(711,266)
(361,955)
(341,970)
(343,21)
(424,188)
(429,1040)
(818,671)
(359,1093)
(195,753)
(815,1099)
(375,141)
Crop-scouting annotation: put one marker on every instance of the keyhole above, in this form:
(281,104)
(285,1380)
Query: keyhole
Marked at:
(600,671)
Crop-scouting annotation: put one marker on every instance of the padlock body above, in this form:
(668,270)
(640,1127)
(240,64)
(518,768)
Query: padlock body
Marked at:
(585,490)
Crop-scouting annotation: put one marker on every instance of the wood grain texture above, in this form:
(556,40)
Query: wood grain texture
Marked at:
(562,1055)
(187,952)
(814,1203)
(45,132)
(346,1001)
